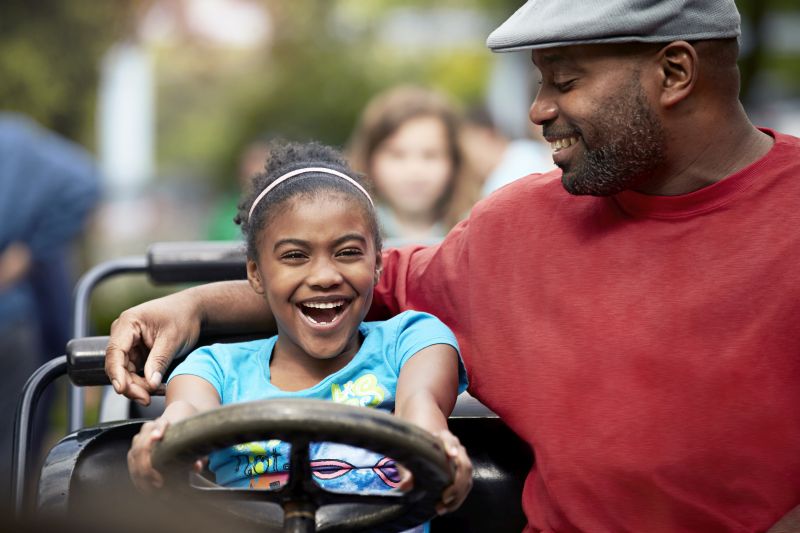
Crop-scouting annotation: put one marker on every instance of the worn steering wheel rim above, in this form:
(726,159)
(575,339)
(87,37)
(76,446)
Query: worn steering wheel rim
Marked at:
(298,422)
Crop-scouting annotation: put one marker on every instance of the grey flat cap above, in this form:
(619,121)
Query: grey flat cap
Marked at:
(551,23)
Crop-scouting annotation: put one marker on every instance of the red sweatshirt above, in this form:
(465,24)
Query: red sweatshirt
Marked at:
(646,347)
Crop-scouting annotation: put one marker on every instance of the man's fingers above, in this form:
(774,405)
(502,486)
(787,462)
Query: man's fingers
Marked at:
(137,391)
(116,368)
(122,339)
(161,354)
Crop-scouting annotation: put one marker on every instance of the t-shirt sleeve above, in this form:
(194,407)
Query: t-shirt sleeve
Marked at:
(433,279)
(419,330)
(204,363)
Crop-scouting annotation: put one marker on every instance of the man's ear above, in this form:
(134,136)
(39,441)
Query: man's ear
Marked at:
(378,267)
(678,64)
(254,277)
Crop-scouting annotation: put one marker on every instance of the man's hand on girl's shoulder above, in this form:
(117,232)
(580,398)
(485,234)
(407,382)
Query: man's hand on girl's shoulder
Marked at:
(147,337)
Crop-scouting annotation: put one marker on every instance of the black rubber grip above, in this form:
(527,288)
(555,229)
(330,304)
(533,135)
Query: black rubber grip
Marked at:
(189,262)
(86,361)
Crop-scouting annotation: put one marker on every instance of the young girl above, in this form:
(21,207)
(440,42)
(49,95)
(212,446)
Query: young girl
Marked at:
(407,142)
(313,252)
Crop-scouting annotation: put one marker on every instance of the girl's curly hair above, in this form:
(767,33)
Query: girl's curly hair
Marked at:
(286,157)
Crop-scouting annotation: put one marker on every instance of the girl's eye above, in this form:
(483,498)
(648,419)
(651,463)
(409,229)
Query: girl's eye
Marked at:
(350,252)
(293,256)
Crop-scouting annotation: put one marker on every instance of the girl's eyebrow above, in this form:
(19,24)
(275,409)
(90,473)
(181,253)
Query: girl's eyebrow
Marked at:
(306,244)
(350,237)
(295,242)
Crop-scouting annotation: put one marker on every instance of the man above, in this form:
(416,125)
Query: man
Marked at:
(633,323)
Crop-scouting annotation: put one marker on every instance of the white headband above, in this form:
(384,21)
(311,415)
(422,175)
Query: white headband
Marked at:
(294,173)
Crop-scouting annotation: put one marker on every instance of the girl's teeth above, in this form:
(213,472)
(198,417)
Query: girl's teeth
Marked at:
(323,312)
(323,305)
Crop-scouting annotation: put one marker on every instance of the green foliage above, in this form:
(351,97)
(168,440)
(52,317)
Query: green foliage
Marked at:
(49,56)
(311,82)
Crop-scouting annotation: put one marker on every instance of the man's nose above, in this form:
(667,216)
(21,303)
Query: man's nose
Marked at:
(543,109)
(324,274)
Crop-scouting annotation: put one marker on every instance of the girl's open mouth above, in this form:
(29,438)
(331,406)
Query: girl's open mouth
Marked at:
(323,313)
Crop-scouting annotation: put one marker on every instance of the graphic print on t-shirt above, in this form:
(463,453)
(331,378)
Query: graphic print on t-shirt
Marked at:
(365,391)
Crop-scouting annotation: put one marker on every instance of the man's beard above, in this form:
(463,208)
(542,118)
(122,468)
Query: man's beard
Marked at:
(632,146)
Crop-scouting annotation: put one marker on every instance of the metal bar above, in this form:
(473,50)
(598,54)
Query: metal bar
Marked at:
(83,292)
(23,424)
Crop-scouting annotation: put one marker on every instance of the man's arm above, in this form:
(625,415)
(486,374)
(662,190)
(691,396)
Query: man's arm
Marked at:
(154,332)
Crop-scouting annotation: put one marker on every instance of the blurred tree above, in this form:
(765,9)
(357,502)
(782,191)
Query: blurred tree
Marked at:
(49,57)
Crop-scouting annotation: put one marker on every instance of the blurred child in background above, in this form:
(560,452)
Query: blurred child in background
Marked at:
(407,142)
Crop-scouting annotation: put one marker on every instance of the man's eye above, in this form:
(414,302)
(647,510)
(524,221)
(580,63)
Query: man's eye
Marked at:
(563,86)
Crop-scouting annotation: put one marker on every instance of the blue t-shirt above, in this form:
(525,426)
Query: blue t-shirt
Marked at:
(240,372)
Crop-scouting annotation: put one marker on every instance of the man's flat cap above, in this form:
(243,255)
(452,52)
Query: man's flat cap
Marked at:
(551,23)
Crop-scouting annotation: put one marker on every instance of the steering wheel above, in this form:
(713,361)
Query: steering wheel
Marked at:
(302,505)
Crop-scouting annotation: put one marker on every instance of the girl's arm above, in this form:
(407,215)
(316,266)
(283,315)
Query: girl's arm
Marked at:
(186,396)
(426,393)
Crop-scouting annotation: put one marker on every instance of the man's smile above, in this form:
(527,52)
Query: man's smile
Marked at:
(559,144)
(562,147)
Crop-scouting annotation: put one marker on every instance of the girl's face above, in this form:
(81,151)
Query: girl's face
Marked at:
(317,265)
(412,168)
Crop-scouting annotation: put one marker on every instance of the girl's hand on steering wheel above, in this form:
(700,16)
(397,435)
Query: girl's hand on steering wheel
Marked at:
(454,495)
(144,476)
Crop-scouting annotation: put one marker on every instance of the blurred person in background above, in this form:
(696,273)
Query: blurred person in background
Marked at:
(251,161)
(48,187)
(496,159)
(407,141)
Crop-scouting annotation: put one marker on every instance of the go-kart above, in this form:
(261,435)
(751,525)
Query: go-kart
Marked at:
(85,467)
